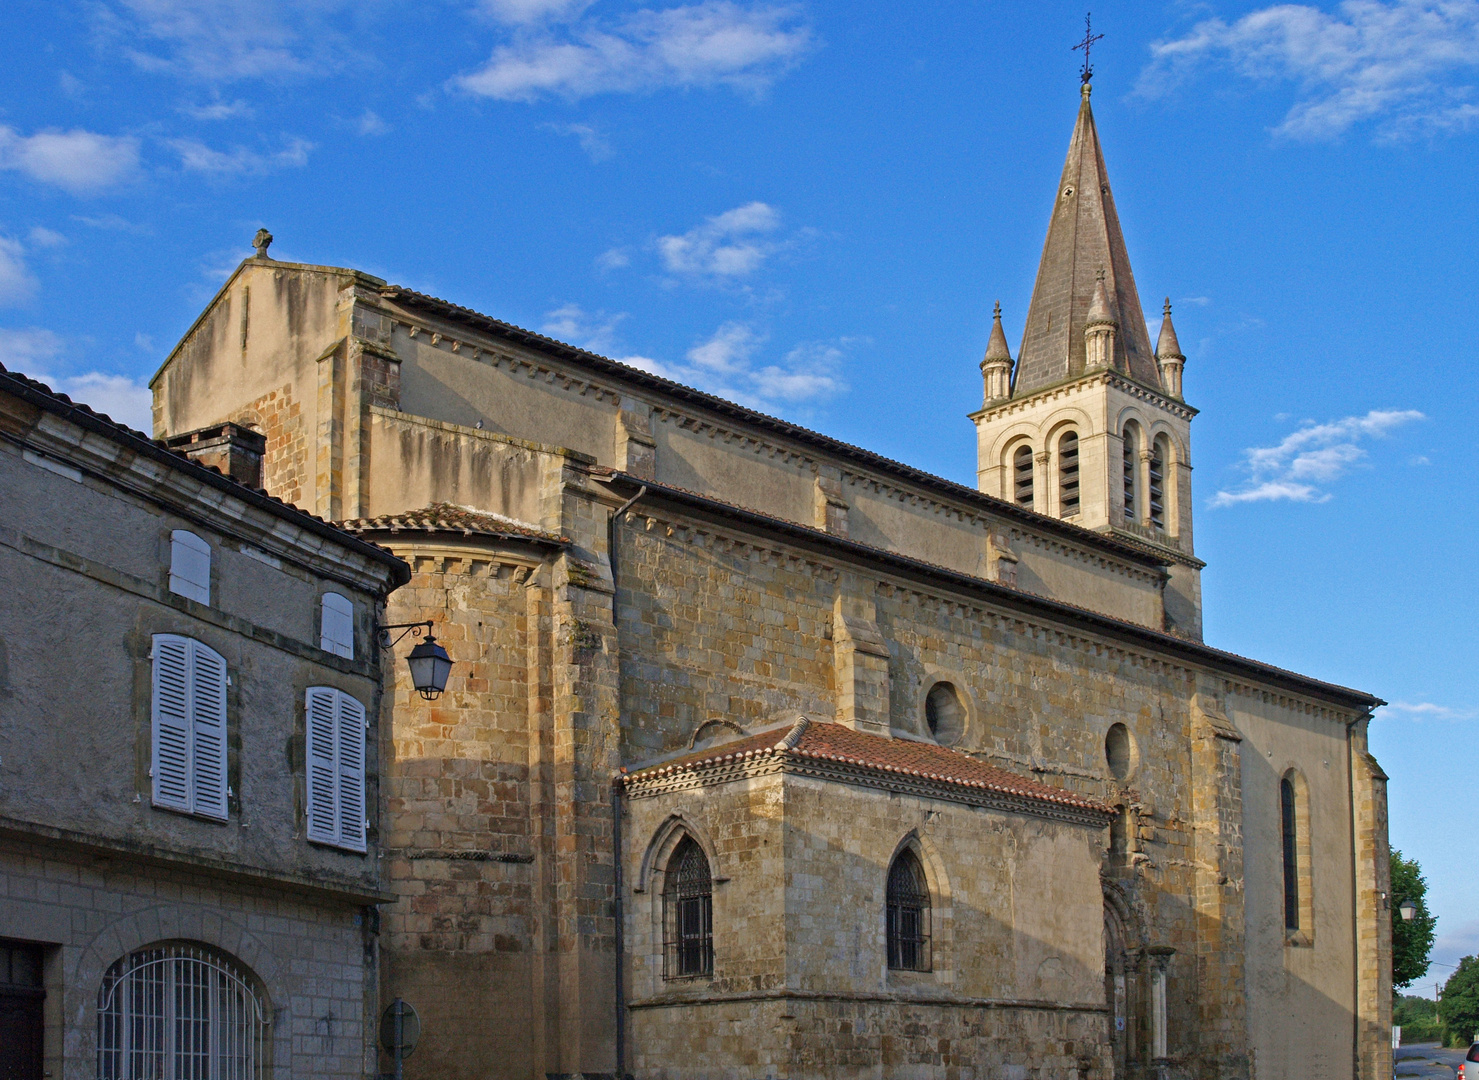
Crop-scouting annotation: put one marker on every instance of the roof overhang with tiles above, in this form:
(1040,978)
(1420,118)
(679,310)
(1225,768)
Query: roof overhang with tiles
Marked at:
(831,752)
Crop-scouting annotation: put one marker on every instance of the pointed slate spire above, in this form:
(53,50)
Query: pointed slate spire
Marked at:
(996,368)
(1169,356)
(1084,237)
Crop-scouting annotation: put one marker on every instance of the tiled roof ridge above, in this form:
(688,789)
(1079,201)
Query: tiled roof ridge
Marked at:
(453,517)
(784,427)
(161,450)
(1161,637)
(818,740)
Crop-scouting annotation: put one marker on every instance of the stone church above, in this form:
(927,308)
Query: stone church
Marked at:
(766,756)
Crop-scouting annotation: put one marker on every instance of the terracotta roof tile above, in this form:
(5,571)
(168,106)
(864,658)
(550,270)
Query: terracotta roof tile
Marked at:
(450,517)
(826,741)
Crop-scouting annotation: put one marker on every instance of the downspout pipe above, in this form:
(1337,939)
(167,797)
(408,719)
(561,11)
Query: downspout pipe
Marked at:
(620,966)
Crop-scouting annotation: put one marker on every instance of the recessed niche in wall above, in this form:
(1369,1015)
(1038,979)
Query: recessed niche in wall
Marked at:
(944,713)
(1120,752)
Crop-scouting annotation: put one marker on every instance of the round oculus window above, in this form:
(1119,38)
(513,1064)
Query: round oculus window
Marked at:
(944,713)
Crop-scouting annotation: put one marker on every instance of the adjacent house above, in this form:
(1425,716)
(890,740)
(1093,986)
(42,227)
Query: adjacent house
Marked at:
(190,718)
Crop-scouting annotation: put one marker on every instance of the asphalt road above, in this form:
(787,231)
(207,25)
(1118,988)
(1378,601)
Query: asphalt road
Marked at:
(1428,1061)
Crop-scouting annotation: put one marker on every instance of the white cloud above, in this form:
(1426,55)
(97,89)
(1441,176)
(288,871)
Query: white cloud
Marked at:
(1426,710)
(726,364)
(1393,62)
(613,259)
(715,43)
(590,331)
(521,12)
(596,145)
(41,237)
(113,223)
(370,123)
(729,245)
(35,351)
(195,156)
(219,110)
(223,40)
(26,351)
(1316,454)
(78,161)
(17,285)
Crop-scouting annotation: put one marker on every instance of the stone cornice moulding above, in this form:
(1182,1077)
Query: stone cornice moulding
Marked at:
(1076,383)
(927,998)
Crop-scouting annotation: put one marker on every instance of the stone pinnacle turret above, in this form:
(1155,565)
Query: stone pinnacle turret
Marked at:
(996,368)
(1169,356)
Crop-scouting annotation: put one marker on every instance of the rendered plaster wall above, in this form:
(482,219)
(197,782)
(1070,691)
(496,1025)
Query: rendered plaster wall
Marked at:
(312,963)
(1301,1011)
(417,462)
(75,751)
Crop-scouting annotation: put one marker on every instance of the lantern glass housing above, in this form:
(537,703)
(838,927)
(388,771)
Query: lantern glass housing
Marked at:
(1408,910)
(430,665)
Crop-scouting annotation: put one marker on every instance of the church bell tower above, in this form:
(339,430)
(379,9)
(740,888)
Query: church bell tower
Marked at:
(1088,424)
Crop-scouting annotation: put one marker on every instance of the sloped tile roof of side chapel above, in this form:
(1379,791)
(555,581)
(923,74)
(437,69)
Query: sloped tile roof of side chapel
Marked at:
(1084,242)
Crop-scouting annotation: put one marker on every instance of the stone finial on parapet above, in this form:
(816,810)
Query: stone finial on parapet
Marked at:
(262,241)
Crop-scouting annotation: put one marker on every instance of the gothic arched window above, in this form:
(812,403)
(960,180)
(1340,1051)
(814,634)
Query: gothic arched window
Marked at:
(1022,476)
(1131,446)
(688,900)
(908,914)
(1294,821)
(180,1010)
(1068,474)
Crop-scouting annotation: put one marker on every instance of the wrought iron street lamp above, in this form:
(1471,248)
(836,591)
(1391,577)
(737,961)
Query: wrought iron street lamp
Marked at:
(429,663)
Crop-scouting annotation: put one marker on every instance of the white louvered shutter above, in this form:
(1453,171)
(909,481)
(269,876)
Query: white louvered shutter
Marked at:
(171,722)
(336,634)
(208,724)
(351,717)
(322,765)
(189,566)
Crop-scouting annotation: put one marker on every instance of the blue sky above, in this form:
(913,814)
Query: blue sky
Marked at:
(810,207)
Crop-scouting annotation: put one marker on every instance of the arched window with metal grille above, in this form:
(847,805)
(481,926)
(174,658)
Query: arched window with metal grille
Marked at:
(688,900)
(1022,476)
(1068,475)
(180,1011)
(908,914)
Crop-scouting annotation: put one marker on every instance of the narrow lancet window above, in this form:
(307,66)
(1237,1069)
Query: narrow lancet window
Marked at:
(1022,476)
(908,915)
(1158,483)
(1068,475)
(1131,444)
(1288,808)
(689,950)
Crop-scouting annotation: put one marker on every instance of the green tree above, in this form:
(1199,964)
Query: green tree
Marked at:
(1412,940)
(1459,1006)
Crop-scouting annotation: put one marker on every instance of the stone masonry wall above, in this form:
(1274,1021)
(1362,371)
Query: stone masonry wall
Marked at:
(314,960)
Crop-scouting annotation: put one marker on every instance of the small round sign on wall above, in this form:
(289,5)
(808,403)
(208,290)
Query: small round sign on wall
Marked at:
(400,1028)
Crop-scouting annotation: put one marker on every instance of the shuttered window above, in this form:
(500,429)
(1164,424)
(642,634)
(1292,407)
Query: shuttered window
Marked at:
(189,566)
(1022,476)
(336,630)
(336,768)
(189,727)
(1068,475)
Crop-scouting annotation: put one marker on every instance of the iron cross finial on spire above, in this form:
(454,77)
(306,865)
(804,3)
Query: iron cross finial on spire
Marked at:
(1086,44)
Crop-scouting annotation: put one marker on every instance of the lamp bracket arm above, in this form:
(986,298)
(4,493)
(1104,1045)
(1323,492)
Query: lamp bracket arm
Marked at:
(415,629)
